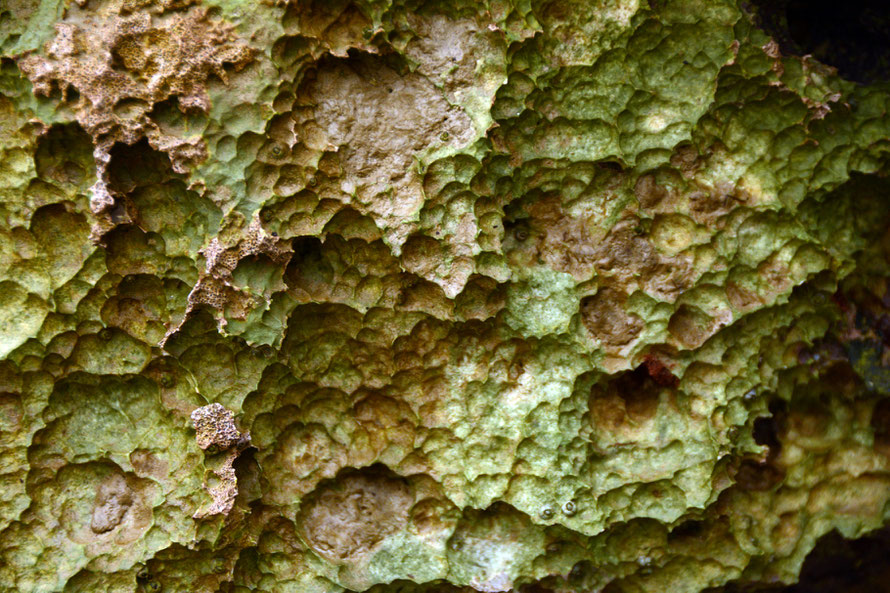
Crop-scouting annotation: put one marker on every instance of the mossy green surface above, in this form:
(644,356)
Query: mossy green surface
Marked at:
(580,296)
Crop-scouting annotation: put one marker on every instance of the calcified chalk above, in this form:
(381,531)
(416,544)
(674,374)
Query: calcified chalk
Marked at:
(549,296)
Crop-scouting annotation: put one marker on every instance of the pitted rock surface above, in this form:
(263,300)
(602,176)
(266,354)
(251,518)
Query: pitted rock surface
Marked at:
(437,296)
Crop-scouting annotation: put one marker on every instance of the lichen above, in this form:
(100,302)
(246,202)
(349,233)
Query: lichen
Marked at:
(432,296)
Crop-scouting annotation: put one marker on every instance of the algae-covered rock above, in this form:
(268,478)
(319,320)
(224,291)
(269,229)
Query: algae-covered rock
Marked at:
(440,296)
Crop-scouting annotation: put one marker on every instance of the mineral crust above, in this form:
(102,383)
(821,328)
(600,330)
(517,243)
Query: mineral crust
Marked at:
(439,296)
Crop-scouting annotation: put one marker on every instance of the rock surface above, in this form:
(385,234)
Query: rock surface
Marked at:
(439,296)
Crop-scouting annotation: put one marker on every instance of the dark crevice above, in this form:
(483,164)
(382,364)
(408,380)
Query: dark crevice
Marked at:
(766,433)
(690,529)
(853,36)
(308,268)
(65,155)
(135,165)
(761,474)
(836,565)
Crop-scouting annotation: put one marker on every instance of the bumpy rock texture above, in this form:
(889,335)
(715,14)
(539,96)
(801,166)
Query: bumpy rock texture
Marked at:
(439,296)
